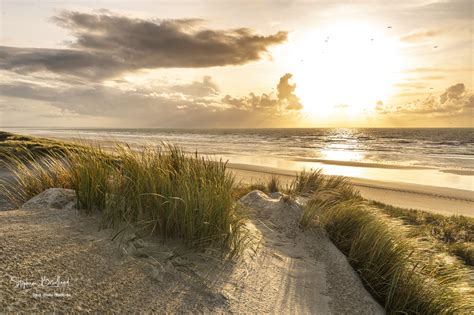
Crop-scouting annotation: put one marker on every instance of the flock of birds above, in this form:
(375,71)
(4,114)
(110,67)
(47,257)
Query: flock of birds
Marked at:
(326,40)
(389,27)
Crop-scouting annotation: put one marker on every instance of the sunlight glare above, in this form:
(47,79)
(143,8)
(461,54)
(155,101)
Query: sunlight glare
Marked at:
(346,67)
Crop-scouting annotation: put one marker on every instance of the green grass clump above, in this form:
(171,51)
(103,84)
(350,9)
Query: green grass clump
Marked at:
(273,184)
(91,172)
(315,184)
(162,190)
(32,175)
(464,251)
(11,144)
(323,191)
(457,232)
(387,262)
(174,195)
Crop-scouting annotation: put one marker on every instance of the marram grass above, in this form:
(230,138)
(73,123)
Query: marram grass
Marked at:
(32,175)
(160,189)
(172,194)
(385,260)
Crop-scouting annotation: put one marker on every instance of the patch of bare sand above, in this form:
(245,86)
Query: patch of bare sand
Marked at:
(103,275)
(294,272)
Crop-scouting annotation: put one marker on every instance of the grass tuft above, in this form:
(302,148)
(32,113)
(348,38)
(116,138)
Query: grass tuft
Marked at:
(456,232)
(32,175)
(386,261)
(161,189)
(273,184)
(316,185)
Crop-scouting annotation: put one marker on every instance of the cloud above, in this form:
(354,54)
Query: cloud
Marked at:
(417,36)
(107,45)
(437,70)
(286,93)
(194,104)
(439,10)
(206,87)
(455,100)
(61,61)
(285,100)
(453,93)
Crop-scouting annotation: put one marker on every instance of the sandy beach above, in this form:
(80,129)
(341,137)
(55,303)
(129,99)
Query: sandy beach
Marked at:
(442,200)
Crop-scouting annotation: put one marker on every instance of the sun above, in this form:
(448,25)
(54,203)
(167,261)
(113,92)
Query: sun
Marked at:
(345,67)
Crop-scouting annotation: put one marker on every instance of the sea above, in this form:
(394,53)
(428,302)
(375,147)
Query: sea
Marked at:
(435,156)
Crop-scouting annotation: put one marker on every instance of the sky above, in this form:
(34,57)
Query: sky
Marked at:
(236,64)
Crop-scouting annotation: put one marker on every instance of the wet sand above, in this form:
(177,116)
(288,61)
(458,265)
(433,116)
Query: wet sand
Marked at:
(447,201)
(362,164)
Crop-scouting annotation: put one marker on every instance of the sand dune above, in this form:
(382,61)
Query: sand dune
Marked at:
(286,270)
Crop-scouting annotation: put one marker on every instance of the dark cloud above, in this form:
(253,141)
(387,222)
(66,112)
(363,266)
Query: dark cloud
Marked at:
(62,61)
(455,100)
(107,45)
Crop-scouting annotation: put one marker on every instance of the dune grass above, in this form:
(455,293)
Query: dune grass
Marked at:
(12,144)
(456,232)
(161,190)
(386,260)
(314,183)
(32,175)
(273,184)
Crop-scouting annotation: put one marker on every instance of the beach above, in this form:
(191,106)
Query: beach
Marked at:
(442,200)
(429,170)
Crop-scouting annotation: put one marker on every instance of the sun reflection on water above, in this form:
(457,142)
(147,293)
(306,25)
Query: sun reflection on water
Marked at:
(341,155)
(342,145)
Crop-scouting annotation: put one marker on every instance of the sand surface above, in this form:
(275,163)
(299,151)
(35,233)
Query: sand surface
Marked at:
(447,201)
(58,260)
(361,164)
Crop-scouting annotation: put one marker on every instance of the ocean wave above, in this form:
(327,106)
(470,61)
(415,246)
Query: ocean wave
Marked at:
(451,143)
(404,141)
